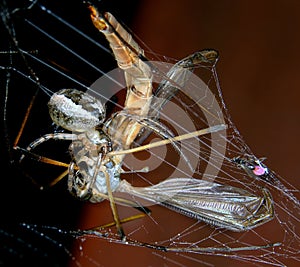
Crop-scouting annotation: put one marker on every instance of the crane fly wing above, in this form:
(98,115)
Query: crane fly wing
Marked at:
(219,205)
(175,79)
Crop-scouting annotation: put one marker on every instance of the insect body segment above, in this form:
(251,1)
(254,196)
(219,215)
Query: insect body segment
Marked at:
(114,31)
(137,73)
(85,176)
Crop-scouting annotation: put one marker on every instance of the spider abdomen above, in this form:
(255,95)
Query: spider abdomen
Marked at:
(75,110)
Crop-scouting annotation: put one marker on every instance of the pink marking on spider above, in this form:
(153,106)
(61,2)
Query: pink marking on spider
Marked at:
(259,170)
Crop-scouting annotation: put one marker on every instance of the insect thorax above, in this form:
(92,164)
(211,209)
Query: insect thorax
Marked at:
(86,180)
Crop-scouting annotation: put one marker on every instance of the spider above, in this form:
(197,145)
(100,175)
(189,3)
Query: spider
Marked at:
(254,167)
(99,144)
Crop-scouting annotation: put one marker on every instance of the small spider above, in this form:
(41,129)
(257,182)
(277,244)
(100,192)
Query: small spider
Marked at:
(253,167)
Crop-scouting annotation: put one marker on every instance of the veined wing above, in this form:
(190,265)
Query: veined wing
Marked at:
(175,79)
(216,204)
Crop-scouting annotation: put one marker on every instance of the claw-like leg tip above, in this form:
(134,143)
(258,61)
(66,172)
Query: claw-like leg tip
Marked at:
(97,20)
(122,235)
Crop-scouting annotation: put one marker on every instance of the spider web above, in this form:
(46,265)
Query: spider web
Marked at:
(45,222)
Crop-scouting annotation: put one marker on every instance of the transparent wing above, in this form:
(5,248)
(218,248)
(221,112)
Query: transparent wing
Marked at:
(220,205)
(175,79)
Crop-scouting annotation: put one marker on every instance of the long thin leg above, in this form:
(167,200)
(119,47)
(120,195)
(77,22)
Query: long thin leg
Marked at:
(170,140)
(55,136)
(46,160)
(59,178)
(113,205)
(128,219)
(25,120)
(40,158)
(44,138)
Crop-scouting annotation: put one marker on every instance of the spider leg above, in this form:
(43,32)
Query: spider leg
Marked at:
(25,120)
(46,160)
(40,158)
(46,137)
(128,219)
(113,205)
(28,152)
(59,178)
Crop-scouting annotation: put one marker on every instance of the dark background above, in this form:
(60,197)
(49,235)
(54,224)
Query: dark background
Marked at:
(258,42)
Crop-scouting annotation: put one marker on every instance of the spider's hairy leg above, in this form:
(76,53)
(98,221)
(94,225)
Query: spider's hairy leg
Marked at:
(55,136)
(23,124)
(46,137)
